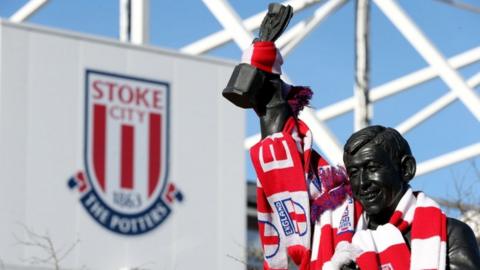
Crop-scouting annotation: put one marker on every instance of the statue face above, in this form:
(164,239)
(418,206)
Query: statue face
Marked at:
(376,181)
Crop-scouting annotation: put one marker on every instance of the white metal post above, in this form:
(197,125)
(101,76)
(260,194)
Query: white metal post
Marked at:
(362,83)
(124,20)
(27,10)
(428,51)
(139,21)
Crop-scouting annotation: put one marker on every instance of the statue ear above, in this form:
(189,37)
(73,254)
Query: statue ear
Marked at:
(409,167)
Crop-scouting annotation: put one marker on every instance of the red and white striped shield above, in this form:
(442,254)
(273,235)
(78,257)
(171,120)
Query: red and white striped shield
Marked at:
(126,138)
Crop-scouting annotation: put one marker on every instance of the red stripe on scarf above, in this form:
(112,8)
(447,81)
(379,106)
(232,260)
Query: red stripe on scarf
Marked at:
(396,255)
(368,261)
(345,236)
(397,221)
(434,218)
(264,55)
(327,246)
(262,202)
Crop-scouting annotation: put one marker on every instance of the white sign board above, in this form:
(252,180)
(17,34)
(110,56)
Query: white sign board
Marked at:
(128,155)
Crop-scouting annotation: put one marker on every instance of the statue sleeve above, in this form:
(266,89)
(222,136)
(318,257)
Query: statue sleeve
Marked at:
(462,248)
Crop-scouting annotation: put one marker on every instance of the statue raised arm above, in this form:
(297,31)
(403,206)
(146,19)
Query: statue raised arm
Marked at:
(256,83)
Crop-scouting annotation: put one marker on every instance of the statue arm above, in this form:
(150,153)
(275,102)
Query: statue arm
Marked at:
(462,248)
(271,106)
(256,83)
(275,112)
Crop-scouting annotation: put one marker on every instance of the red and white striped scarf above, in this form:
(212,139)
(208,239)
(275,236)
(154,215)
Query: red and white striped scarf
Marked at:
(281,162)
(385,247)
(332,231)
(288,172)
(294,184)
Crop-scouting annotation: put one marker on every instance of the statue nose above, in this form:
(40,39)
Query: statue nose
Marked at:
(364,181)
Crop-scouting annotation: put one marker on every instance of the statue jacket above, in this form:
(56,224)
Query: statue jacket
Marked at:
(462,249)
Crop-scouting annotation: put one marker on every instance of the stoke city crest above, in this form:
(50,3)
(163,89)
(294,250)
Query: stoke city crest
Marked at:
(124,185)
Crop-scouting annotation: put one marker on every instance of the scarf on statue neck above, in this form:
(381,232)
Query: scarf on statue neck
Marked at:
(385,247)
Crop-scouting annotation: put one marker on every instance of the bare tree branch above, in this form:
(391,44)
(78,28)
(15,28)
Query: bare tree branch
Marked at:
(457,205)
(53,256)
(467,198)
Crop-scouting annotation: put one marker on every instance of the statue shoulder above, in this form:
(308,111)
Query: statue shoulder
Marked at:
(459,231)
(462,248)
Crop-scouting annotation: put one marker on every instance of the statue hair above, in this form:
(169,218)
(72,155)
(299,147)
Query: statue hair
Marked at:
(389,139)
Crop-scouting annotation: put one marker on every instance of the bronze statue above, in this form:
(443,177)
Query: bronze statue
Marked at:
(380,165)
(309,211)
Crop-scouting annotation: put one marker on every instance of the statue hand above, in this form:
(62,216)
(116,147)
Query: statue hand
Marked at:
(275,22)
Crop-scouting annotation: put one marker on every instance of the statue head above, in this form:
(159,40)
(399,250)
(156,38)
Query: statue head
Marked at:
(380,165)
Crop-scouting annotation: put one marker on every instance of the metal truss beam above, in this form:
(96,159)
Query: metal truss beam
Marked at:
(27,10)
(430,53)
(221,37)
(434,107)
(323,137)
(395,86)
(230,20)
(449,159)
(308,26)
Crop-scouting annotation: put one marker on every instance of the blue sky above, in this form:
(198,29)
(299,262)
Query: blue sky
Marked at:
(324,61)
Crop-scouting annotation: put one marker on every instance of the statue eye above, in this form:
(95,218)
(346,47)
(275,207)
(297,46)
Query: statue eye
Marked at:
(352,172)
(372,168)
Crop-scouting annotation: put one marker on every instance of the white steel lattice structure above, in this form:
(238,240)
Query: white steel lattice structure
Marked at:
(240,31)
